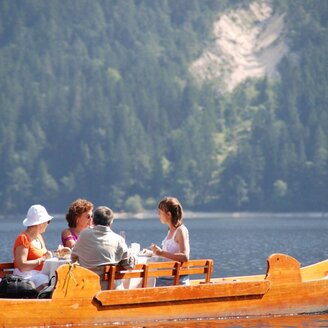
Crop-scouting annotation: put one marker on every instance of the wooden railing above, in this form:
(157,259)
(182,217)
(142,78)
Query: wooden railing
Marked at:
(159,269)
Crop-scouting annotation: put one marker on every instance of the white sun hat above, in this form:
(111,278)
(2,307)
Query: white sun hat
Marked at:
(36,214)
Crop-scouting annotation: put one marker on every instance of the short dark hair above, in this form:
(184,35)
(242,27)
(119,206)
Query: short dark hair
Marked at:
(103,215)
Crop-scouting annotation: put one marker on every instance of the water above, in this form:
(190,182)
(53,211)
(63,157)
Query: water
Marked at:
(239,245)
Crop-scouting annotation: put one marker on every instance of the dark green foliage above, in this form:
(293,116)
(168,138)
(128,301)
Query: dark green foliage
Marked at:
(96,101)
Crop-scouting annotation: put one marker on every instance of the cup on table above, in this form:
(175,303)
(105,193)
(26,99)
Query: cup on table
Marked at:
(135,248)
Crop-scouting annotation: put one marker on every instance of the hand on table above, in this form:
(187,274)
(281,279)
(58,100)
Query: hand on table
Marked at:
(47,255)
(63,252)
(146,252)
(156,249)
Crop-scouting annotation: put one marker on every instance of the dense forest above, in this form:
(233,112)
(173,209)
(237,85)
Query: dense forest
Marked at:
(97,101)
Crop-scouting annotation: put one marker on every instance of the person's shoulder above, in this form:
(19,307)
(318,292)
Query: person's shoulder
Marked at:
(87,231)
(22,235)
(66,232)
(183,228)
(182,231)
(117,237)
(22,239)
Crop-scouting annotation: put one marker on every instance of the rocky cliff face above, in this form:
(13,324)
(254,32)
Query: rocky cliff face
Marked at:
(249,43)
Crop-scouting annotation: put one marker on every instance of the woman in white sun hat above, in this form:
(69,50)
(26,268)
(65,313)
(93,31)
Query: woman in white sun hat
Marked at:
(30,250)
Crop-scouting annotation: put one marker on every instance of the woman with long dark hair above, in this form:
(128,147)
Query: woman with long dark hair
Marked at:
(175,245)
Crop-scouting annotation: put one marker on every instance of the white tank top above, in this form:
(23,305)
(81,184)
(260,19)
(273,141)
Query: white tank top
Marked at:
(170,245)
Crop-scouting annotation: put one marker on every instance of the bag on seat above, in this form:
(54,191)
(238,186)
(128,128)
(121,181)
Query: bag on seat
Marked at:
(46,292)
(12,286)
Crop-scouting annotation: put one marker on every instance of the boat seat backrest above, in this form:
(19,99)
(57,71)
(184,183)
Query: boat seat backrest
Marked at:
(159,269)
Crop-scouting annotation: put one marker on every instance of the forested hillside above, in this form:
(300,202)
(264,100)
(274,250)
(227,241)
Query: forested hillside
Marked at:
(97,100)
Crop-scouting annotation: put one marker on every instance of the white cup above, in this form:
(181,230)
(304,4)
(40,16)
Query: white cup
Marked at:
(135,248)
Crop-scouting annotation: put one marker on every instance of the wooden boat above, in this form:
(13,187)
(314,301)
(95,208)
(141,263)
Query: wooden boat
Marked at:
(286,288)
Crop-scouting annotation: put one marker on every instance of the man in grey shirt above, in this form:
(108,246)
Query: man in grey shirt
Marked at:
(99,246)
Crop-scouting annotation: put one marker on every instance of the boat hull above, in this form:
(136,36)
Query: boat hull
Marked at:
(78,299)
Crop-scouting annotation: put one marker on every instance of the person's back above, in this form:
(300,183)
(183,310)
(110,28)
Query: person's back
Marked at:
(101,246)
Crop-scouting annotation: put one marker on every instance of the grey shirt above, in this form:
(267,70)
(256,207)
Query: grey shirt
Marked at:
(101,246)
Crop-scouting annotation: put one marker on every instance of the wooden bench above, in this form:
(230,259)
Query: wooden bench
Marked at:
(6,268)
(152,269)
(172,269)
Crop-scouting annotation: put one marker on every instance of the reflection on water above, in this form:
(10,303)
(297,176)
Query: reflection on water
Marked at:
(263,322)
(309,321)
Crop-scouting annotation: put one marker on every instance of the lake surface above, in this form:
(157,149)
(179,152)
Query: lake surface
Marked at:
(239,245)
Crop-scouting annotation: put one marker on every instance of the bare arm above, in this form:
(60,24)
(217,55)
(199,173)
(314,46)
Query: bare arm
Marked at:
(182,239)
(23,263)
(68,239)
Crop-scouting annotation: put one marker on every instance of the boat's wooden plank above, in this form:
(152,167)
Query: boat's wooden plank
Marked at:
(182,293)
(172,269)
(83,312)
(315,271)
(74,301)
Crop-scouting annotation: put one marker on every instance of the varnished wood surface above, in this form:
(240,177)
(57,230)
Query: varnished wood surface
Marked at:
(285,289)
(171,269)
(182,293)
